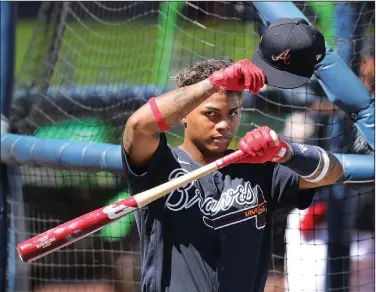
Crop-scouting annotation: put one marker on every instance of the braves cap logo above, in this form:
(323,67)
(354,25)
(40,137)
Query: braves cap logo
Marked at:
(285,55)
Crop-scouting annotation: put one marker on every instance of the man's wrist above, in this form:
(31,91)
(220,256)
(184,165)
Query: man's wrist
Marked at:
(289,154)
(218,80)
(207,87)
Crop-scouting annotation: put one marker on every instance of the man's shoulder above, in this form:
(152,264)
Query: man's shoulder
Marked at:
(182,158)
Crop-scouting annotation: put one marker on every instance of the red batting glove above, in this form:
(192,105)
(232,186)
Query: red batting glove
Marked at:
(239,76)
(261,148)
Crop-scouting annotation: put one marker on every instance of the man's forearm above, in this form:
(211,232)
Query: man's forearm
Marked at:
(175,105)
(315,166)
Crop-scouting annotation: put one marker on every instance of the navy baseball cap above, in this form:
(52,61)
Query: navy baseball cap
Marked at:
(288,51)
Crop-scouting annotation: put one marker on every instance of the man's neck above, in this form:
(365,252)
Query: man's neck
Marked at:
(197,154)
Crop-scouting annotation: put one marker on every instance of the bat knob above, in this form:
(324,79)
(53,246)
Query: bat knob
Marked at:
(275,138)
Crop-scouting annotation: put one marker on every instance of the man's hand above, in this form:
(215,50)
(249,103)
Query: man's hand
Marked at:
(239,76)
(315,166)
(261,148)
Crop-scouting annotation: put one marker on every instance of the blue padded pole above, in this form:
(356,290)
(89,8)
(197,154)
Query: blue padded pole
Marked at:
(61,154)
(96,157)
(99,93)
(18,272)
(107,95)
(340,84)
(8,33)
(7,50)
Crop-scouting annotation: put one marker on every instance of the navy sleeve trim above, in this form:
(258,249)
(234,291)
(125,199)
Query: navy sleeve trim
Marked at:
(303,198)
(285,189)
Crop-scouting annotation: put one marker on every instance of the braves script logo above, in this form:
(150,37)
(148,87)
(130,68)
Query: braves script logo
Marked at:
(285,55)
(248,201)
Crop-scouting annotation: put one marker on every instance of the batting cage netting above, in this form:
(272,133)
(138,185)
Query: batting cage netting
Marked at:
(90,65)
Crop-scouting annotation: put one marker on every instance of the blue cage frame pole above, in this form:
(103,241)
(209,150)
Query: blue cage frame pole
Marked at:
(8,33)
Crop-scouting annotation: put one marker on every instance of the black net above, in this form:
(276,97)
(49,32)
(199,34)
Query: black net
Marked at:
(90,65)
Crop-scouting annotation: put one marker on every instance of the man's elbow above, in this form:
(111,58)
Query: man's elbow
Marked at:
(335,176)
(142,122)
(132,127)
(134,122)
(135,126)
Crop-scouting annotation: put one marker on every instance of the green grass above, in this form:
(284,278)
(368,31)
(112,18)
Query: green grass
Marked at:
(23,36)
(97,53)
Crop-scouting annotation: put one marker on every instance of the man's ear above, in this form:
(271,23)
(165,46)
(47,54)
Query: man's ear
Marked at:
(184,121)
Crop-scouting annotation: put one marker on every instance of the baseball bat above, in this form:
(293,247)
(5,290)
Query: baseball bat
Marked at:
(71,231)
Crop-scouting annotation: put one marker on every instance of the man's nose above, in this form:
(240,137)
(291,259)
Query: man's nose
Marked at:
(224,124)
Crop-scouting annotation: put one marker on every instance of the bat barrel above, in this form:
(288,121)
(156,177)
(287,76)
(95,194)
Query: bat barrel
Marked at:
(60,236)
(73,230)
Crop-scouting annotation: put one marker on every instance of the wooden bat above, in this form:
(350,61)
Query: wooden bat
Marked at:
(71,231)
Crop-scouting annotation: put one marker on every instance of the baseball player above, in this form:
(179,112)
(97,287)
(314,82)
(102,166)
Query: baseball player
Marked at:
(214,234)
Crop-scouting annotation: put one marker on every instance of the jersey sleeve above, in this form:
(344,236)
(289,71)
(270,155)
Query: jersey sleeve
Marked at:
(285,190)
(142,179)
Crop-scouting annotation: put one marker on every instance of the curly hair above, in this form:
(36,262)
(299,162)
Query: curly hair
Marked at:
(200,70)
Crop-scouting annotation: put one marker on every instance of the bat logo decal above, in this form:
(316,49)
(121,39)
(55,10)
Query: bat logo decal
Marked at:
(114,212)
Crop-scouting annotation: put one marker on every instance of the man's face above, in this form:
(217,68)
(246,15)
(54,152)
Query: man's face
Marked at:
(212,125)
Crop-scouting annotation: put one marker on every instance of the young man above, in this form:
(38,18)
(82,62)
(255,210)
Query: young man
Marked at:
(214,234)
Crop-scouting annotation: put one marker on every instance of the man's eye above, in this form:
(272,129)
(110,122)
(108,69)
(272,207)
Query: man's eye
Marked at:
(209,114)
(233,114)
